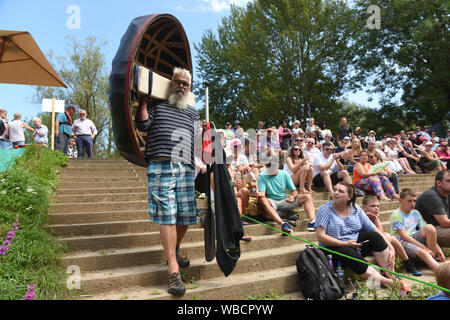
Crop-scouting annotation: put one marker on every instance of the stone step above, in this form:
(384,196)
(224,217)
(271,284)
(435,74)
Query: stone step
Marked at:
(97,217)
(94,181)
(140,253)
(92,198)
(85,191)
(98,173)
(97,206)
(237,286)
(156,274)
(101,184)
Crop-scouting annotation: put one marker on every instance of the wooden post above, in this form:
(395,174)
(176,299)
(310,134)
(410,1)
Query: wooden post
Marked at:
(53,124)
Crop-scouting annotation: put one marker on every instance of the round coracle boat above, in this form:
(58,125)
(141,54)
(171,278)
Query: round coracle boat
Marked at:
(149,50)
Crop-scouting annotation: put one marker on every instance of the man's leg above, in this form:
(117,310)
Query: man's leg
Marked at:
(269,211)
(89,143)
(306,200)
(343,174)
(80,147)
(327,181)
(168,235)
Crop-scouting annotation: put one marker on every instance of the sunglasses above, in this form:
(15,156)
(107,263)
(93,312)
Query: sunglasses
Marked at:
(328,149)
(181,83)
(310,142)
(299,140)
(297,149)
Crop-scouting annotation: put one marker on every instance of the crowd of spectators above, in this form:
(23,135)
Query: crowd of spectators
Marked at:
(73,138)
(347,164)
(313,156)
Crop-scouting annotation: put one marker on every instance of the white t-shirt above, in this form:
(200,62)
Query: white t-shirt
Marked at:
(241,161)
(16,131)
(391,153)
(320,159)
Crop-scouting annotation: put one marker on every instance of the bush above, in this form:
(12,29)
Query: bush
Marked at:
(34,256)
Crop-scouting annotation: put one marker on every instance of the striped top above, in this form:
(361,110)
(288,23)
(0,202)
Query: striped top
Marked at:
(171,132)
(343,229)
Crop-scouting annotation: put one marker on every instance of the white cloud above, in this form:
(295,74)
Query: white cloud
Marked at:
(212,5)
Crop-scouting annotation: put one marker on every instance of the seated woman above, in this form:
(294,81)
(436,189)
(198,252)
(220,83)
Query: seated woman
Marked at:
(391,150)
(354,153)
(374,158)
(364,180)
(430,159)
(241,191)
(342,226)
(300,168)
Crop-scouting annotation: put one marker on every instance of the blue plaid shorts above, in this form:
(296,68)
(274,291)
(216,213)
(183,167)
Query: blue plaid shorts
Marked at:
(171,193)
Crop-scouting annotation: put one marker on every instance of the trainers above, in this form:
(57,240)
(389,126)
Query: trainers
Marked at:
(176,286)
(182,262)
(285,226)
(310,226)
(410,267)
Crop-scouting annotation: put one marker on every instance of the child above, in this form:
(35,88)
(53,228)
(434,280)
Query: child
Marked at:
(417,238)
(371,207)
(442,273)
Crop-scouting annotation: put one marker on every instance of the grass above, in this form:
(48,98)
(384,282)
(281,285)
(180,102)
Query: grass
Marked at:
(271,295)
(34,256)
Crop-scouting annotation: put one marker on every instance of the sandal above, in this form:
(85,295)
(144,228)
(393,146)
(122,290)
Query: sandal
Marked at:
(246,238)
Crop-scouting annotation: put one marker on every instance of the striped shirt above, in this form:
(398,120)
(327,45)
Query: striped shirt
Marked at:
(343,229)
(171,132)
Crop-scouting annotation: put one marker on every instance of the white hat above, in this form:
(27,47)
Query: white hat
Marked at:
(429,143)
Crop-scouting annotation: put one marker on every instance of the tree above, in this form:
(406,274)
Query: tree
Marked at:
(278,60)
(406,60)
(85,74)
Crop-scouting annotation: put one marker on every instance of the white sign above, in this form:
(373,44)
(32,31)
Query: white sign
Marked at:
(47,105)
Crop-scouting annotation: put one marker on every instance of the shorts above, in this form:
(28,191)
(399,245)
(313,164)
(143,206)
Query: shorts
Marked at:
(411,248)
(171,193)
(318,180)
(283,205)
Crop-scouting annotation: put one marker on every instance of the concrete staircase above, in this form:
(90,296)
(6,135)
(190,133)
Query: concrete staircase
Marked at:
(100,211)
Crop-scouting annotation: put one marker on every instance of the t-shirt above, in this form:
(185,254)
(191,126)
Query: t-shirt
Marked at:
(343,229)
(410,222)
(172,132)
(431,203)
(64,126)
(16,131)
(320,159)
(275,186)
(345,131)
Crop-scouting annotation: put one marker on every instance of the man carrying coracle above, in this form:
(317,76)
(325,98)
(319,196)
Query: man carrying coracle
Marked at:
(172,127)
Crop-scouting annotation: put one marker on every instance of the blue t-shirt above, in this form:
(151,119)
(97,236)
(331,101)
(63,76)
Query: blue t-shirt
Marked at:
(275,186)
(343,229)
(64,127)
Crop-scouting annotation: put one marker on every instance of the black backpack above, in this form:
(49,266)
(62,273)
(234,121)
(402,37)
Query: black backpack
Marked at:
(317,280)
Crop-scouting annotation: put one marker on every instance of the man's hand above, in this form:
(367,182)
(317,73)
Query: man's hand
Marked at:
(290,199)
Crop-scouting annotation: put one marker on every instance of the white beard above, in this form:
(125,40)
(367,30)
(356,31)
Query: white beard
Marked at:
(178,99)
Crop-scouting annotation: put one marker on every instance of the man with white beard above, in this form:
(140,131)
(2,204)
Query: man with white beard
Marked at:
(172,127)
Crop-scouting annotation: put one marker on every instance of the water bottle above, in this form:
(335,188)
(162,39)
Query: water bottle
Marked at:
(330,261)
(340,274)
(238,175)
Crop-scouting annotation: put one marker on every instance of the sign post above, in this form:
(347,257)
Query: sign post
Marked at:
(53,106)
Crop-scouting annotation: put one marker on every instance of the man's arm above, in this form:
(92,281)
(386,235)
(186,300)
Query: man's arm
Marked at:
(142,114)
(443,220)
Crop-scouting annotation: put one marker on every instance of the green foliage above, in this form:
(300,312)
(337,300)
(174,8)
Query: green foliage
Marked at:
(34,256)
(85,73)
(406,60)
(419,292)
(277,60)
(271,295)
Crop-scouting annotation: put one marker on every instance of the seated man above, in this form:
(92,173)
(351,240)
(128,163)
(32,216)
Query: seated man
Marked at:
(271,195)
(325,164)
(433,204)
(417,238)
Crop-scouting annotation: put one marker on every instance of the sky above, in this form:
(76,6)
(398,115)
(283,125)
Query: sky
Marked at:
(51,21)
